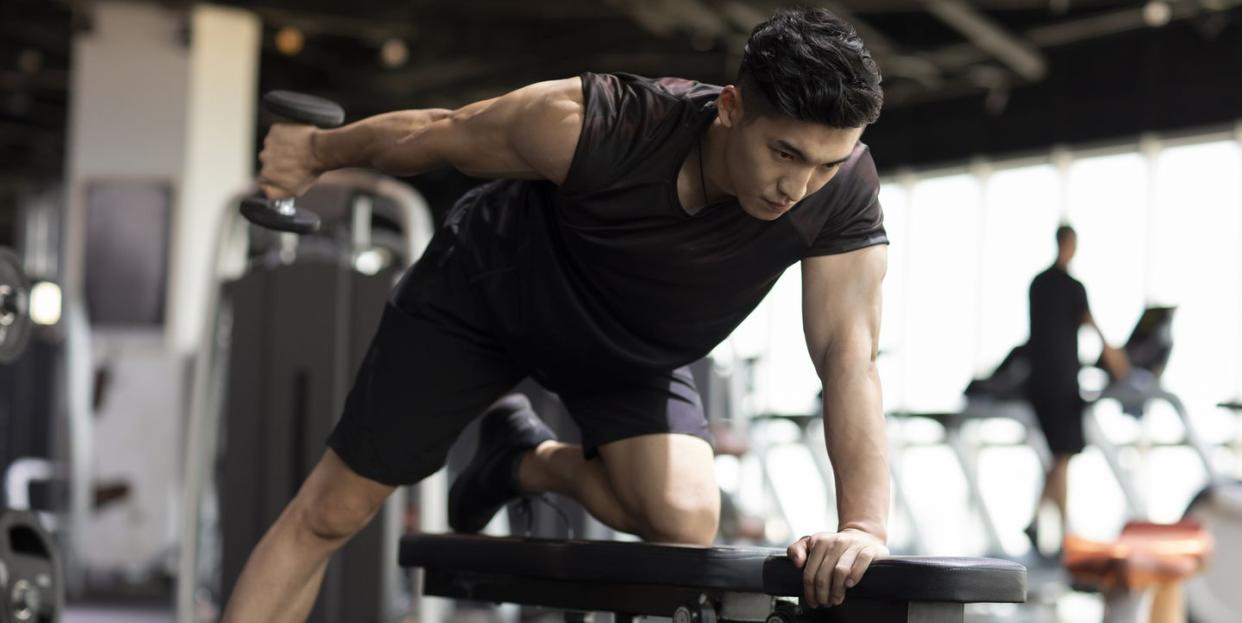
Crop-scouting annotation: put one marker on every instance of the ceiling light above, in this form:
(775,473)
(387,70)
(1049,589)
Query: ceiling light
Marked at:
(394,53)
(1157,13)
(289,41)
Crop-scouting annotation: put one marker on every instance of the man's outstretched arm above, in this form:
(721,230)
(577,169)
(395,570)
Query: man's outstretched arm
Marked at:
(530,133)
(841,318)
(1114,358)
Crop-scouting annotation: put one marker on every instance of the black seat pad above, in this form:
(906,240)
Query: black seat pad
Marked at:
(733,569)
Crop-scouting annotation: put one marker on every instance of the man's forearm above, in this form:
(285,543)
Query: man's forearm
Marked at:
(397,143)
(857,440)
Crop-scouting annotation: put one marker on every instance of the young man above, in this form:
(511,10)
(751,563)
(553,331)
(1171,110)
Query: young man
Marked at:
(634,224)
(1058,308)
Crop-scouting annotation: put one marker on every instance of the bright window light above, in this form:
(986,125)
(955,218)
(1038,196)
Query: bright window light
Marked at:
(1021,210)
(1196,264)
(941,302)
(1107,199)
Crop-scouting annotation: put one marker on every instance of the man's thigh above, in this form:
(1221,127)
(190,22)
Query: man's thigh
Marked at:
(423,379)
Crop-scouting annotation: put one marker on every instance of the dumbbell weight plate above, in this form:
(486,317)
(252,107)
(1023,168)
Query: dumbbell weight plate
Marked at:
(304,108)
(33,589)
(257,210)
(14,307)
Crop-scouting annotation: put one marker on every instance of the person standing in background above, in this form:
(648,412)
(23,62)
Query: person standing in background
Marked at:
(1058,308)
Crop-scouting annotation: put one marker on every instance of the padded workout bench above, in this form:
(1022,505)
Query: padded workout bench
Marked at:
(697,584)
(1142,572)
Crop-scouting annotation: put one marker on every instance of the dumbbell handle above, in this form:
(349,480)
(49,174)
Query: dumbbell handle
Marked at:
(283,214)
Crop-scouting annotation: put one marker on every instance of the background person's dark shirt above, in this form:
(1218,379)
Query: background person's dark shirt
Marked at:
(1058,305)
(607,273)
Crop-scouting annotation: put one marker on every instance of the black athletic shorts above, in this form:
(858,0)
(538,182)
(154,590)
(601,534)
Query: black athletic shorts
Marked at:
(436,362)
(1060,416)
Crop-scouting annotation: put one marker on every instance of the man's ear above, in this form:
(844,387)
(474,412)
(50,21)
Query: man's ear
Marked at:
(729,105)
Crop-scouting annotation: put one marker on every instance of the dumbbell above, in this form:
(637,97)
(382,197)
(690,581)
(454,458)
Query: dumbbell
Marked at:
(14,306)
(283,214)
(30,578)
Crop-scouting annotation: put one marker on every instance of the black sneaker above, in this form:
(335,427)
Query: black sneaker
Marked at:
(1032,534)
(509,429)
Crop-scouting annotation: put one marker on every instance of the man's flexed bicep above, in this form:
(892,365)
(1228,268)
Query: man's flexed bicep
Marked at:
(841,304)
(530,133)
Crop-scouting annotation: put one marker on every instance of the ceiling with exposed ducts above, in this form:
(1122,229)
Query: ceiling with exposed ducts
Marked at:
(962,78)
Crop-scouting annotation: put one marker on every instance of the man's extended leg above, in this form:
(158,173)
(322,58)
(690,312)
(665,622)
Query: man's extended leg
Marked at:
(1055,490)
(430,369)
(1057,486)
(283,574)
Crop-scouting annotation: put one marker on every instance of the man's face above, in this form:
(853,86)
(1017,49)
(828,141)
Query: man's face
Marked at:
(1069,247)
(774,162)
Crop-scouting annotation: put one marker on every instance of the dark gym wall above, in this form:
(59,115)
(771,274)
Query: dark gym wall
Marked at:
(1185,75)
(8,218)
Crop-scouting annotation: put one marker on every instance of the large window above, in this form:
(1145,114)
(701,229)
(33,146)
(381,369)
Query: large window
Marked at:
(941,290)
(892,328)
(1022,207)
(1107,199)
(1158,226)
(1196,264)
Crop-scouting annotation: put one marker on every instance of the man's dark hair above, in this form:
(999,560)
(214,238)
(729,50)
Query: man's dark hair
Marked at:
(810,65)
(1064,233)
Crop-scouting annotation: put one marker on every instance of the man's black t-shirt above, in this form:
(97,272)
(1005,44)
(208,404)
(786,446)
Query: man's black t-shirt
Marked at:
(607,273)
(1058,305)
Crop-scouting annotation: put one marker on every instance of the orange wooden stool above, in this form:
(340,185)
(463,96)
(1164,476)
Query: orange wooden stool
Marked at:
(1147,562)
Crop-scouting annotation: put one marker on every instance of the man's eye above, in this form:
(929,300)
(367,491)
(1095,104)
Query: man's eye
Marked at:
(784,155)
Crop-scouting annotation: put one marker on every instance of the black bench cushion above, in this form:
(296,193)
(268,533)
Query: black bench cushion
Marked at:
(735,569)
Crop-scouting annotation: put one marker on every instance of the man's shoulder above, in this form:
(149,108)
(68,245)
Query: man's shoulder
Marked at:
(856,182)
(670,88)
(861,166)
(1043,277)
(632,126)
(1070,280)
(1056,278)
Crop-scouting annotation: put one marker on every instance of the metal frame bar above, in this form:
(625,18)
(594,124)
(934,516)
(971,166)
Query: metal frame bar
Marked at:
(629,600)
(1019,54)
(1136,502)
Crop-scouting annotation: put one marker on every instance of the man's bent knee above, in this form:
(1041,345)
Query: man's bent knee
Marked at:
(690,520)
(335,502)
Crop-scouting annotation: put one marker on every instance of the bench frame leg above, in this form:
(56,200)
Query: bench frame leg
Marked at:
(657,600)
